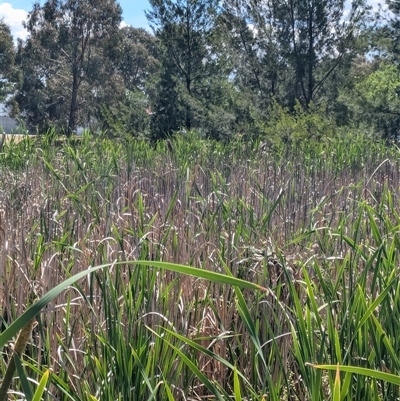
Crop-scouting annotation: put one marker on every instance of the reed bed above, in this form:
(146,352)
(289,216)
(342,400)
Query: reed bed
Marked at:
(317,225)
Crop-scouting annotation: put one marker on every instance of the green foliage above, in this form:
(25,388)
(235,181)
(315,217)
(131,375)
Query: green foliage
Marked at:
(375,100)
(220,68)
(137,57)
(301,125)
(292,49)
(136,60)
(381,88)
(65,63)
(17,152)
(129,117)
(8,71)
(192,91)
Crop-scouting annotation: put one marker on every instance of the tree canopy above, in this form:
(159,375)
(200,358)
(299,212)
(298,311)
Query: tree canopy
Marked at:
(219,67)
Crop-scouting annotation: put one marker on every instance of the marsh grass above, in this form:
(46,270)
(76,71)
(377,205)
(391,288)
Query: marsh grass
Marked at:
(317,225)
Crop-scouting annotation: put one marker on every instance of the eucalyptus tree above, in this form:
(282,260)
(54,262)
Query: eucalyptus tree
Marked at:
(386,33)
(296,45)
(253,51)
(65,61)
(8,71)
(136,58)
(375,90)
(394,24)
(190,88)
(316,39)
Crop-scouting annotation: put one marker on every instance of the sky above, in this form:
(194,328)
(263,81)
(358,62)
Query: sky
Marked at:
(15,11)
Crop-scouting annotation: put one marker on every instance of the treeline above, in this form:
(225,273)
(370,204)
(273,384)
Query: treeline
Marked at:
(283,69)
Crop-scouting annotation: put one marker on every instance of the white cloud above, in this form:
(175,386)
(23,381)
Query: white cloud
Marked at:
(14,17)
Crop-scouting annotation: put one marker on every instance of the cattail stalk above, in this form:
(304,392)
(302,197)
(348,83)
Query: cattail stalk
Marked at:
(19,347)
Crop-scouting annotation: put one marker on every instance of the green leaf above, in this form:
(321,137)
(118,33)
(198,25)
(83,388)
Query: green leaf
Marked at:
(236,385)
(196,371)
(207,352)
(345,386)
(375,374)
(26,387)
(35,309)
(42,385)
(92,398)
(336,387)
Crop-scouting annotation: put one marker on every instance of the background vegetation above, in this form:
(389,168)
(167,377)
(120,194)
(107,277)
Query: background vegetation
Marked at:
(220,67)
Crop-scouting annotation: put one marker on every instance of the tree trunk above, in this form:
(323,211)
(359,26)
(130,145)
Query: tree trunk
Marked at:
(188,117)
(73,107)
(310,56)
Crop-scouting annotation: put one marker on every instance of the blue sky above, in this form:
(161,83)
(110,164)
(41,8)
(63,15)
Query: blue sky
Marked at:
(15,11)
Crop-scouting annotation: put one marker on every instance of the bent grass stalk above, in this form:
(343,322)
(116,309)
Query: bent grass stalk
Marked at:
(375,374)
(25,322)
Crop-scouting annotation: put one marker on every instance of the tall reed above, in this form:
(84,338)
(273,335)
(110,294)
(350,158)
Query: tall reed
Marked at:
(315,224)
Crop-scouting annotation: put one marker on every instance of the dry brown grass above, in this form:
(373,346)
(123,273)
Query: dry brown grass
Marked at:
(16,138)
